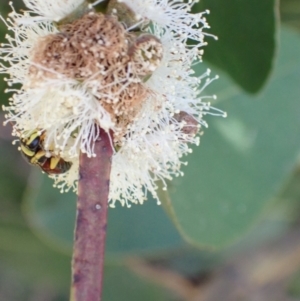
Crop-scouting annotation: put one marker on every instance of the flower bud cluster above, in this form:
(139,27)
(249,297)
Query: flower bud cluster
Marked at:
(127,69)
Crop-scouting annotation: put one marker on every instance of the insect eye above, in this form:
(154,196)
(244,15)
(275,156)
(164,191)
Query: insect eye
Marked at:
(34,143)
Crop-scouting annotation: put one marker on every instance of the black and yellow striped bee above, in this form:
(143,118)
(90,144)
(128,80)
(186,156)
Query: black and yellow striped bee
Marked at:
(34,152)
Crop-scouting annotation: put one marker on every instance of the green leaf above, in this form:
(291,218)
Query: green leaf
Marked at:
(141,228)
(22,252)
(290,12)
(12,180)
(247,39)
(51,214)
(11,184)
(243,160)
(122,284)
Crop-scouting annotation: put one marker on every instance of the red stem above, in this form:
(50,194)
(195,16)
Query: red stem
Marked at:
(91,221)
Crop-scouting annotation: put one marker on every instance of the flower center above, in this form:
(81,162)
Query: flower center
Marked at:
(99,54)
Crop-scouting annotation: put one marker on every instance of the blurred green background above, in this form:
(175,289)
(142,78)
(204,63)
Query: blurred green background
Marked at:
(229,229)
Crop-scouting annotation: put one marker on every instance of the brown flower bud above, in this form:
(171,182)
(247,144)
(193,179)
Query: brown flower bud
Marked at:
(145,54)
(190,125)
(123,12)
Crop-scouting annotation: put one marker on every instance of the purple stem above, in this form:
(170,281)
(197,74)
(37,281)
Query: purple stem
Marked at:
(91,221)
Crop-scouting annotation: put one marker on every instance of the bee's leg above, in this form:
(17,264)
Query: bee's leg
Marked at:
(26,151)
(39,158)
(53,162)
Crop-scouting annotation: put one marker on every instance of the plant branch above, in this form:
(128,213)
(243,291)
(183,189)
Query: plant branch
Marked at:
(91,221)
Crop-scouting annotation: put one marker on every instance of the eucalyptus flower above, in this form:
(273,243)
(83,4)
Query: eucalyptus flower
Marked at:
(128,70)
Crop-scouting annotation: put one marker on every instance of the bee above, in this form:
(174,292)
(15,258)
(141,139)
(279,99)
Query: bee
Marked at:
(34,152)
